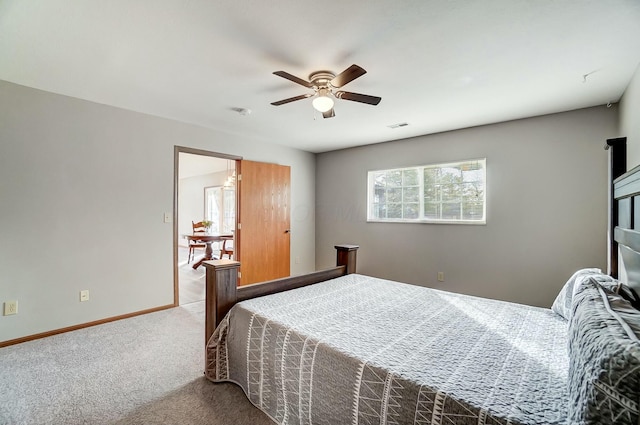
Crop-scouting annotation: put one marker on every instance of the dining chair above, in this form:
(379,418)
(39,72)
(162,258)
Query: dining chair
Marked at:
(227,247)
(193,245)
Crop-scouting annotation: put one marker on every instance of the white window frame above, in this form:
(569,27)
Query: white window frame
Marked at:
(421,218)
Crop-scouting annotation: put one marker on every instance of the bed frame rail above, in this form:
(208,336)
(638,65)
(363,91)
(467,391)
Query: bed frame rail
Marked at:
(222,291)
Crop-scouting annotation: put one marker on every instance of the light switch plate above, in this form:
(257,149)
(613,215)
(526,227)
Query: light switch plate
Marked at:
(84,295)
(167,217)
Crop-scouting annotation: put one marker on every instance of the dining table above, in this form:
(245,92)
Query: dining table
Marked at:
(207,239)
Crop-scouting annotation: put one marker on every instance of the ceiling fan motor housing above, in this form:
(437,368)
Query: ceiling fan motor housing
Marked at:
(321,79)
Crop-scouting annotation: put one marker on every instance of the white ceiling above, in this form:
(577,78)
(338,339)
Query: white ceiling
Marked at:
(191,165)
(438,65)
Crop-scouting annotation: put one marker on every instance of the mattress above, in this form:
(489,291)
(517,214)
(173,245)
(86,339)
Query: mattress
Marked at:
(363,350)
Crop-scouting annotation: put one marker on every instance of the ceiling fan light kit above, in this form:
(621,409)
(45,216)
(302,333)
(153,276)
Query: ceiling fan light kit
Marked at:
(322,102)
(323,84)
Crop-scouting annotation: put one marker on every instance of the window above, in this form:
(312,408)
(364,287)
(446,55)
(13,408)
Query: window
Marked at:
(439,193)
(220,208)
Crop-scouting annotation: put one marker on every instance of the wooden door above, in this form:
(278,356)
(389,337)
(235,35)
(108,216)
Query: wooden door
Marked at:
(263,242)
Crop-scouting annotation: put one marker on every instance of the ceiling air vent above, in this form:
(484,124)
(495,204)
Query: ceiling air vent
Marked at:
(402,124)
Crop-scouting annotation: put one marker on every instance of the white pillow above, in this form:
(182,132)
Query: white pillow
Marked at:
(562,303)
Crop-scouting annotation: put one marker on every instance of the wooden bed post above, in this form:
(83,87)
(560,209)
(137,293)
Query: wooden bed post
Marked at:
(618,166)
(221,292)
(346,256)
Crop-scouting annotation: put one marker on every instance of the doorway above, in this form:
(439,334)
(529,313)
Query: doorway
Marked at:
(204,191)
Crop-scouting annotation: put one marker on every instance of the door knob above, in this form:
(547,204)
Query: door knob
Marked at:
(288,231)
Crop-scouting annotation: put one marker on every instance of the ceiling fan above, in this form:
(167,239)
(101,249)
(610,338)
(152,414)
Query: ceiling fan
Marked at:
(324,84)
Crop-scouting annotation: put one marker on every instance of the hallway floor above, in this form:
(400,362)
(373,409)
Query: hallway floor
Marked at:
(191,282)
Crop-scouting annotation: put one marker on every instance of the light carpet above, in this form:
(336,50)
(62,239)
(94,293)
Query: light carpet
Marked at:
(143,370)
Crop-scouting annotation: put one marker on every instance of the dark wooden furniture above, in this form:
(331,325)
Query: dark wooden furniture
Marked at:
(227,247)
(624,217)
(197,229)
(625,241)
(617,166)
(222,290)
(207,239)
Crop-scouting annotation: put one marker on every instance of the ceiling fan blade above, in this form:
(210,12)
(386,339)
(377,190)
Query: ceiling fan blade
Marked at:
(329,114)
(357,97)
(348,75)
(291,99)
(293,78)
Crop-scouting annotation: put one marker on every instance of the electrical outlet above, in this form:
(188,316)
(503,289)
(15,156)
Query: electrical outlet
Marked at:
(440,276)
(10,307)
(84,295)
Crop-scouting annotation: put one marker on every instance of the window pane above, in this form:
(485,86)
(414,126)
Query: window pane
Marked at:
(472,176)
(394,210)
(213,207)
(380,179)
(412,211)
(451,192)
(410,177)
(379,195)
(394,178)
(472,211)
(432,193)
(229,203)
(450,174)
(411,194)
(430,176)
(451,211)
(469,191)
(394,195)
(378,211)
(431,211)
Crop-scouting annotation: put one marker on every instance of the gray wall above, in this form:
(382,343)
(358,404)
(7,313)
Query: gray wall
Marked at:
(630,119)
(546,213)
(83,190)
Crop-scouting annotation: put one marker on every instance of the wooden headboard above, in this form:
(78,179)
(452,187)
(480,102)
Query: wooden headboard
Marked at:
(624,232)
(625,227)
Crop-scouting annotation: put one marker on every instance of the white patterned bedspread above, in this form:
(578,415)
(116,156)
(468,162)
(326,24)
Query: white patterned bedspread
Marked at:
(362,350)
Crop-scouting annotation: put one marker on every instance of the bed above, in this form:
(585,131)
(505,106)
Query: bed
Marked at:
(337,347)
